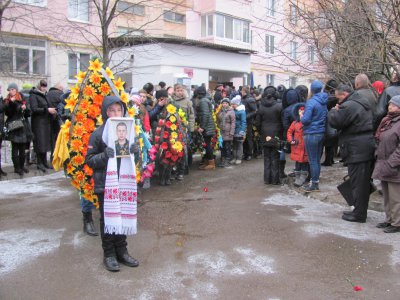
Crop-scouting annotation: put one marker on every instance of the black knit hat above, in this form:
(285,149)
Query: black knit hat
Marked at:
(161,94)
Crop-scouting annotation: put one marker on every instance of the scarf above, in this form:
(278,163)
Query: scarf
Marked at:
(387,123)
(120,194)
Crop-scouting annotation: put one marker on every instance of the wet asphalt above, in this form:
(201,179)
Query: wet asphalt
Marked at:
(240,240)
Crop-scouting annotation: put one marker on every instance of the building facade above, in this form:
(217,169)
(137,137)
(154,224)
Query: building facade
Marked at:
(217,41)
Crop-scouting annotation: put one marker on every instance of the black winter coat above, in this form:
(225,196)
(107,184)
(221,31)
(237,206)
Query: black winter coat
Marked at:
(13,111)
(96,158)
(354,122)
(204,116)
(40,121)
(251,108)
(269,119)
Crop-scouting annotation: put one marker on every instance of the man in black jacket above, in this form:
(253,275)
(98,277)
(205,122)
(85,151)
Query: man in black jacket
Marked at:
(251,109)
(114,245)
(353,116)
(54,97)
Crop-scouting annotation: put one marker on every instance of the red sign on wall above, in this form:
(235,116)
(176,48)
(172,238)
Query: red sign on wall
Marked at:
(188,71)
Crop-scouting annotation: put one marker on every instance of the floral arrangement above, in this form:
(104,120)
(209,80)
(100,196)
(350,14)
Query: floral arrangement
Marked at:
(217,137)
(170,136)
(85,102)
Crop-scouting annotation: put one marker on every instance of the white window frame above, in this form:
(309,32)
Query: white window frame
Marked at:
(236,24)
(270,44)
(80,3)
(271,8)
(78,64)
(293,49)
(131,8)
(270,79)
(30,48)
(40,3)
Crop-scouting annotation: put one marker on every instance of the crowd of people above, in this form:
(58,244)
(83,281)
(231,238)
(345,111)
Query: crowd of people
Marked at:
(358,122)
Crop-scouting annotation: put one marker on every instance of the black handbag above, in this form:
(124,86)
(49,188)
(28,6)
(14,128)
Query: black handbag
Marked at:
(346,191)
(14,125)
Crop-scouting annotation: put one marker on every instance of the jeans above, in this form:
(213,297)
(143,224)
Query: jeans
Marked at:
(314,143)
(86,205)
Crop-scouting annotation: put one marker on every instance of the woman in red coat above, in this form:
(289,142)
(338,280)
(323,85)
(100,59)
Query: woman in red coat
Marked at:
(298,149)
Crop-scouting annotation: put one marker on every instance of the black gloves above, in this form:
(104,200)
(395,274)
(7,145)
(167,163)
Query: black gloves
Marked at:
(109,152)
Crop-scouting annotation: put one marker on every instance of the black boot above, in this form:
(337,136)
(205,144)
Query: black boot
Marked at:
(46,165)
(17,168)
(168,176)
(282,164)
(88,225)
(22,162)
(40,164)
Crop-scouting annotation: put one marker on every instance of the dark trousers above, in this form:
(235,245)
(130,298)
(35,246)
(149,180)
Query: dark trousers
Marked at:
(271,165)
(18,155)
(226,151)
(209,150)
(248,142)
(360,176)
(113,244)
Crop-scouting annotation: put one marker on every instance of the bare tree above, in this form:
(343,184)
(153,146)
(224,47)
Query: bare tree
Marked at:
(3,5)
(352,37)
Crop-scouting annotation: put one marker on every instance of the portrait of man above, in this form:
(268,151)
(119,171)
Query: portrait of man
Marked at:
(122,143)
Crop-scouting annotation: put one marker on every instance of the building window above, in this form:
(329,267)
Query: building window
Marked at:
(293,50)
(229,27)
(269,44)
(130,8)
(271,79)
(311,54)
(76,62)
(22,55)
(174,17)
(78,10)
(41,3)
(293,14)
(207,25)
(220,26)
(129,31)
(270,8)
(292,81)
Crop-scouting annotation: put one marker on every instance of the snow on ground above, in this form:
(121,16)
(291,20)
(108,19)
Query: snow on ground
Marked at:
(19,247)
(32,185)
(328,218)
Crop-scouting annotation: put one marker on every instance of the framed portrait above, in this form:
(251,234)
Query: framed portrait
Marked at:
(122,134)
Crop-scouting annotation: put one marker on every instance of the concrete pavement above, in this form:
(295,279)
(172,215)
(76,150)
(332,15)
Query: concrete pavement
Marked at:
(240,240)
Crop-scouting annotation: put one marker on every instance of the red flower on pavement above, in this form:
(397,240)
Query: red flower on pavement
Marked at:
(357,288)
(205,189)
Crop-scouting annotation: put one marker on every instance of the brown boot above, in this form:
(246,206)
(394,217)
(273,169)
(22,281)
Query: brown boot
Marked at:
(210,165)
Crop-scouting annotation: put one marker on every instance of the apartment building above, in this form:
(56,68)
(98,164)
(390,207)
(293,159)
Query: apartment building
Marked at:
(191,41)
